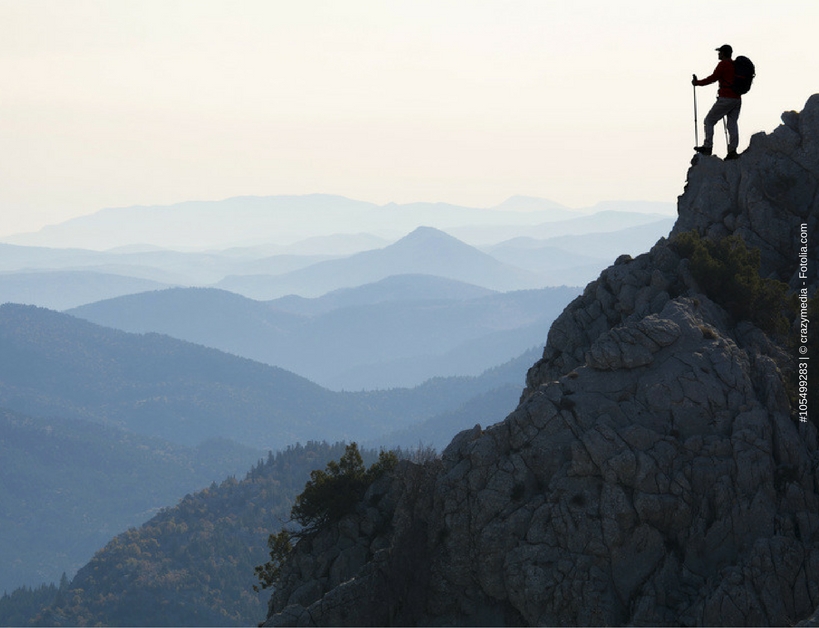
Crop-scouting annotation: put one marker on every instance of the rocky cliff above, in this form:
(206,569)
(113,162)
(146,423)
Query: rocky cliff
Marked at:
(655,471)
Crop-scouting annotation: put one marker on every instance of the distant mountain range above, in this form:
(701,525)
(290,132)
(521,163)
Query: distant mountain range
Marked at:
(60,290)
(484,409)
(103,427)
(172,267)
(424,251)
(573,254)
(249,221)
(397,332)
(387,300)
(58,365)
(392,342)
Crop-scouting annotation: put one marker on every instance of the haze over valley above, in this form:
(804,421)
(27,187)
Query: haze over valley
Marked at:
(219,331)
(352,309)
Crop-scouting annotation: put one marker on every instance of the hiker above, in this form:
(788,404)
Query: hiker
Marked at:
(728,104)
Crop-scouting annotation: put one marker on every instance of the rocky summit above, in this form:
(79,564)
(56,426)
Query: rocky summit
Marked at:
(656,470)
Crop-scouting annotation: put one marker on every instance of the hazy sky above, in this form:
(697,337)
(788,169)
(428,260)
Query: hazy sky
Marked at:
(117,103)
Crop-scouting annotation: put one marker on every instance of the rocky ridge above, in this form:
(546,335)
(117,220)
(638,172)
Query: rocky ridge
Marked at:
(653,473)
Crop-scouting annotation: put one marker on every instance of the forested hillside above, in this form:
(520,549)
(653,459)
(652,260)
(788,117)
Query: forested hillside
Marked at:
(70,483)
(55,364)
(192,564)
(67,486)
(398,332)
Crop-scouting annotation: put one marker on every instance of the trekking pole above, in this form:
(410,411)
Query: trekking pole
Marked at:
(696,136)
(725,128)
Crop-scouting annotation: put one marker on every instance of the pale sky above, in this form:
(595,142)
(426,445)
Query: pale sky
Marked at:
(117,103)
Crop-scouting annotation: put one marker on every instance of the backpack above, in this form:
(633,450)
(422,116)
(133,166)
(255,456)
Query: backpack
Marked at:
(744,73)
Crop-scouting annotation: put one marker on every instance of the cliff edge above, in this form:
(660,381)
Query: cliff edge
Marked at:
(656,470)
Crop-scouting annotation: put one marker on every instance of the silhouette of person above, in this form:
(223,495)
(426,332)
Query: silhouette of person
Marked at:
(727,106)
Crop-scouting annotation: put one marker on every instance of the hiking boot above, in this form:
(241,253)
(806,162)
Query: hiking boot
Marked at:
(732,154)
(703,150)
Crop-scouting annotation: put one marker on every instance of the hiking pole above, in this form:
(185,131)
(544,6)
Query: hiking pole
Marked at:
(696,137)
(725,128)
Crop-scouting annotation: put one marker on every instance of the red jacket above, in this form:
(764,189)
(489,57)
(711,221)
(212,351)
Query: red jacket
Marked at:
(724,73)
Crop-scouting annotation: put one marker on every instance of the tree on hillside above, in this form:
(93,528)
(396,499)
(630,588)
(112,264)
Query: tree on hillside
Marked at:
(327,497)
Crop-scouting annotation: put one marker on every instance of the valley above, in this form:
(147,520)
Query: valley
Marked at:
(124,367)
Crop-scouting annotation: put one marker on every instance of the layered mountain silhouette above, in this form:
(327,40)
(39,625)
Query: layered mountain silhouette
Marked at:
(424,251)
(168,266)
(61,290)
(58,365)
(66,278)
(248,221)
(393,289)
(104,427)
(55,364)
(397,332)
(240,221)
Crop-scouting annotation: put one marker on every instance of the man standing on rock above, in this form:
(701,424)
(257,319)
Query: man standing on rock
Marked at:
(727,106)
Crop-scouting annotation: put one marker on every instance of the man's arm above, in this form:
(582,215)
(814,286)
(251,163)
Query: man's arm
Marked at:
(707,81)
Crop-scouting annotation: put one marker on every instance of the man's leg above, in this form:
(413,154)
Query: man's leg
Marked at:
(708,125)
(708,141)
(732,120)
(718,111)
(721,108)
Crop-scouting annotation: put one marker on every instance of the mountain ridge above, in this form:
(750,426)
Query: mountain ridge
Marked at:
(354,339)
(56,364)
(249,220)
(425,250)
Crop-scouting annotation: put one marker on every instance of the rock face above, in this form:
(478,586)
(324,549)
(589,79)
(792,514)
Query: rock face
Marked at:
(653,472)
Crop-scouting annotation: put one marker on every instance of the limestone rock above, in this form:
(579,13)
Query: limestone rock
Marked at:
(652,473)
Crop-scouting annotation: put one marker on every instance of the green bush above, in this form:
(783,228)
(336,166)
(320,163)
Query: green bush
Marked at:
(331,494)
(327,497)
(727,271)
(280,547)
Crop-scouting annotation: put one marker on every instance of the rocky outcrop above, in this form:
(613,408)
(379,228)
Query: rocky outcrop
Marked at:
(653,472)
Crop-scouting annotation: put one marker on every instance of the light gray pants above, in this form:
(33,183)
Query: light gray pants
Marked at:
(727,108)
